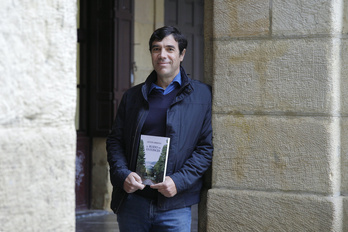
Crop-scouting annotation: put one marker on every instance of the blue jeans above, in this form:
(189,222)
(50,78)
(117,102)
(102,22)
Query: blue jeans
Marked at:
(139,214)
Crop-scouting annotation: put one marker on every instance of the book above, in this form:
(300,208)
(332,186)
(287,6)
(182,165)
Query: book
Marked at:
(152,159)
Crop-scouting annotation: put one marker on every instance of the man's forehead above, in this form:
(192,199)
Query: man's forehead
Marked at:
(168,41)
(166,45)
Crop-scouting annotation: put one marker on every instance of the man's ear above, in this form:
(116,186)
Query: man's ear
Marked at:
(182,55)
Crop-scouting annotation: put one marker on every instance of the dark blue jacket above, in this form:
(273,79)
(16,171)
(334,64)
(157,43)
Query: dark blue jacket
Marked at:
(190,131)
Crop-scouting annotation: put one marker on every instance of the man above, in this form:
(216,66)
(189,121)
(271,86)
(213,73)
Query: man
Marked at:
(167,104)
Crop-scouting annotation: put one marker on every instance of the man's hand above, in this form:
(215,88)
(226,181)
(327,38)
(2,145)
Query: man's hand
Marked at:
(132,183)
(167,187)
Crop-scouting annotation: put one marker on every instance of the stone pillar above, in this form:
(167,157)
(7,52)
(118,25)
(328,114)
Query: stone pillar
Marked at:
(37,115)
(280,112)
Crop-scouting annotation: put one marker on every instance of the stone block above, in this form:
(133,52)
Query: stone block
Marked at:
(276,153)
(345,17)
(344,76)
(291,77)
(233,210)
(37,112)
(37,181)
(101,185)
(241,18)
(344,127)
(38,68)
(311,17)
(345,214)
(344,155)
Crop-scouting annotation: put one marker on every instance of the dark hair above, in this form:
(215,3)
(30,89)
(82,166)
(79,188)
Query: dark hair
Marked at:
(160,33)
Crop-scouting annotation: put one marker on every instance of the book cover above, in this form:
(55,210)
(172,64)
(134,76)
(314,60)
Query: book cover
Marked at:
(152,159)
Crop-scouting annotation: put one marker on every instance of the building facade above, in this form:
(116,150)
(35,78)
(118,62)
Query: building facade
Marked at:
(279,72)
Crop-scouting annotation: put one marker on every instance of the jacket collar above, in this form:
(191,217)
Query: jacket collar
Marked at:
(185,82)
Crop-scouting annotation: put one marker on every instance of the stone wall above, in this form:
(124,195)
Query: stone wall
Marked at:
(37,108)
(280,112)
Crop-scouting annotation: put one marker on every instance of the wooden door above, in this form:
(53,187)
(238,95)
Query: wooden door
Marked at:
(110,60)
(187,16)
(105,37)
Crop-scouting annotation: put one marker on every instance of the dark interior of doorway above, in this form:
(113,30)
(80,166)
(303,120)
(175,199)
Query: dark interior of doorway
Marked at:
(105,38)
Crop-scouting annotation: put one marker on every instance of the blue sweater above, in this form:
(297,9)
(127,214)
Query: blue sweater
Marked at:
(155,123)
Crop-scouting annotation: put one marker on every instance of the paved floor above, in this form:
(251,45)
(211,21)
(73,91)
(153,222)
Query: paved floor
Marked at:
(104,221)
(96,221)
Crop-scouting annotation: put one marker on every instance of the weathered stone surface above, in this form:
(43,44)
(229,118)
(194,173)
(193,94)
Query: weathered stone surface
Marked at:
(345,17)
(310,17)
(38,63)
(276,153)
(37,108)
(101,185)
(233,210)
(344,155)
(291,77)
(280,116)
(343,82)
(345,213)
(37,183)
(241,18)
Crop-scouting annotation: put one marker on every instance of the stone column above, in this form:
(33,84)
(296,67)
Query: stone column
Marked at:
(280,116)
(37,115)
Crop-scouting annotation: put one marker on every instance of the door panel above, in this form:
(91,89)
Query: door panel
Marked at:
(105,37)
(111,60)
(188,17)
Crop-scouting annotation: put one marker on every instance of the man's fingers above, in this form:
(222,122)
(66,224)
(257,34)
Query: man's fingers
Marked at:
(137,178)
(138,181)
(138,184)
(133,183)
(156,186)
(167,188)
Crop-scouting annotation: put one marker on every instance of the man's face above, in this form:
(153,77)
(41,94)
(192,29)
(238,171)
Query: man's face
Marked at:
(166,57)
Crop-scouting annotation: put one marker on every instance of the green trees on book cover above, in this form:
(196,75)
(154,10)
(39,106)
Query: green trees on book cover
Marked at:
(152,158)
(141,169)
(158,169)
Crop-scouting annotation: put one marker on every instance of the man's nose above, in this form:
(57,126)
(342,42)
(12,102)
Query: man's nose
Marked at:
(163,53)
